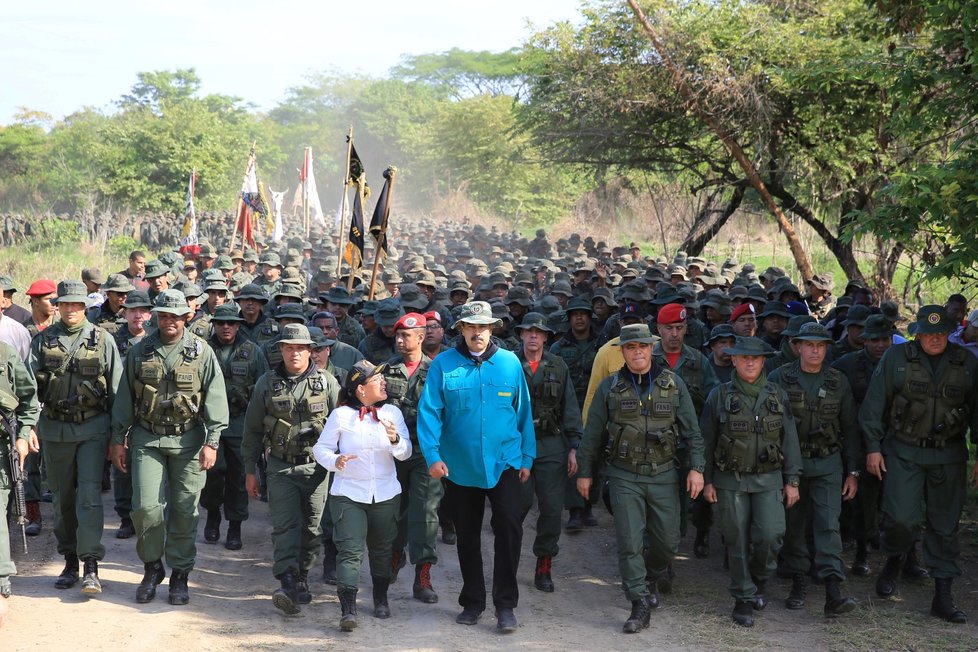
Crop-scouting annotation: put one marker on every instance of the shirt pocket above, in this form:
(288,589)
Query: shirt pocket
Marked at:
(457,394)
(501,393)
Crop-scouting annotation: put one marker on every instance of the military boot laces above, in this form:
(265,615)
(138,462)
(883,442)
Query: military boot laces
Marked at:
(423,590)
(943,604)
(381,608)
(796,597)
(348,609)
(286,597)
(836,604)
(69,576)
(90,583)
(541,578)
(639,618)
(153,574)
(886,583)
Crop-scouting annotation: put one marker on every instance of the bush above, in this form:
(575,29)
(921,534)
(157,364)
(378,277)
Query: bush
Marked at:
(121,246)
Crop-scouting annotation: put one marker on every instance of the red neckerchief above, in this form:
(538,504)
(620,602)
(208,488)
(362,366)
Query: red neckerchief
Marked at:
(371,410)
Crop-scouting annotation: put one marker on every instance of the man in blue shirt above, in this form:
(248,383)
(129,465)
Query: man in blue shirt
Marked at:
(475,428)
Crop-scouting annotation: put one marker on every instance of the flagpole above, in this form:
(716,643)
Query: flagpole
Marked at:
(346,182)
(305,190)
(391,172)
(237,212)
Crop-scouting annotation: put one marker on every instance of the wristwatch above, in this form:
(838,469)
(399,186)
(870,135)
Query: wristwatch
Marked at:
(794,482)
(855,474)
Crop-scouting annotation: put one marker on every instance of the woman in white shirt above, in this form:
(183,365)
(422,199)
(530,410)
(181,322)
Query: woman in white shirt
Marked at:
(360,442)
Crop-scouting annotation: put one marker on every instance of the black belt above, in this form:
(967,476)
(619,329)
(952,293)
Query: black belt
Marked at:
(168,429)
(297,460)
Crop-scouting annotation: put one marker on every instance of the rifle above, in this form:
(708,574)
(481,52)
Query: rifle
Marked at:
(16,478)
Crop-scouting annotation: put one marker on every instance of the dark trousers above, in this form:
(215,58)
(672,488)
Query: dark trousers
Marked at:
(466,507)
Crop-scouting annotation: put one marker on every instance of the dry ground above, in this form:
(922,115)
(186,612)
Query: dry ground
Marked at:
(230,607)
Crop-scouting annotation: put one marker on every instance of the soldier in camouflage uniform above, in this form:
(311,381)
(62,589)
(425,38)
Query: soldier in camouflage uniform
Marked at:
(289,407)
(378,346)
(338,301)
(242,364)
(110,315)
(78,368)
(257,326)
(288,313)
(270,279)
(171,411)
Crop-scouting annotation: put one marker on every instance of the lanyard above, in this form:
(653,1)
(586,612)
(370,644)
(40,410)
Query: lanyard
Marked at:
(645,409)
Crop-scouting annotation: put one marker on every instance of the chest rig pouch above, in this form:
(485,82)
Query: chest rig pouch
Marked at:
(928,413)
(642,430)
(405,393)
(168,401)
(74,385)
(545,395)
(819,432)
(750,442)
(294,417)
(238,377)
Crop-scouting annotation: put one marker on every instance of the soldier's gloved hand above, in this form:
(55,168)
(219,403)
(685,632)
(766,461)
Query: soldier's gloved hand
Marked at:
(584,487)
(876,465)
(118,454)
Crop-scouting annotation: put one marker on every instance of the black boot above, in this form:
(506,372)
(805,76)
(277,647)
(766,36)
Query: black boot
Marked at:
(836,604)
(653,586)
(575,522)
(179,591)
(886,583)
(126,529)
(639,618)
(422,589)
(448,536)
(912,570)
(286,597)
(69,576)
(860,566)
(302,587)
(329,563)
(760,601)
(796,598)
(541,578)
(233,539)
(381,608)
(90,583)
(212,529)
(701,546)
(153,574)
(588,518)
(743,613)
(943,604)
(348,609)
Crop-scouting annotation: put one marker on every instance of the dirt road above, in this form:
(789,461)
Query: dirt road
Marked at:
(230,608)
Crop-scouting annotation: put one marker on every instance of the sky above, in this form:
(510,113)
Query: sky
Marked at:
(61,55)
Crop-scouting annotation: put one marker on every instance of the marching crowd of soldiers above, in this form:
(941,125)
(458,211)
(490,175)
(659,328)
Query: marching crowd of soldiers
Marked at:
(677,391)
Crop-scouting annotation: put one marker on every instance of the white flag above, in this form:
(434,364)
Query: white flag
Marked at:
(315,208)
(190,215)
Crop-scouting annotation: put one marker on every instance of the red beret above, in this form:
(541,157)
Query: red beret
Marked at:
(741,310)
(410,320)
(671,313)
(433,315)
(41,287)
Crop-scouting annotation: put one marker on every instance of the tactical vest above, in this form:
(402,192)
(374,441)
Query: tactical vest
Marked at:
(238,378)
(546,394)
(863,369)
(579,358)
(750,442)
(168,402)
(292,425)
(377,349)
(926,413)
(819,433)
(201,327)
(642,430)
(273,353)
(692,374)
(73,387)
(405,393)
(262,333)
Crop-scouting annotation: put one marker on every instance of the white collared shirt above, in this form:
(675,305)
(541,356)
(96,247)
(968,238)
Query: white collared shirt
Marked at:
(372,476)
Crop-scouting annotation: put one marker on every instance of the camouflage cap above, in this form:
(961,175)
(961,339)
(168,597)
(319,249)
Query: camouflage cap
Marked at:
(72,292)
(295,334)
(137,299)
(813,332)
(877,327)
(218,284)
(412,297)
(253,292)
(271,259)
(155,268)
(172,302)
(534,320)
(721,331)
(319,338)
(639,333)
(606,295)
(519,295)
(93,275)
(476,312)
(7,284)
(795,323)
(752,346)
(117,283)
(227,312)
(190,290)
(290,291)
(579,304)
(289,311)
(388,312)
(931,319)
(224,262)
(857,316)
(338,295)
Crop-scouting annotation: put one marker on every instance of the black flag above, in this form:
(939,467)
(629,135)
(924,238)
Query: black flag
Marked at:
(354,246)
(382,211)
